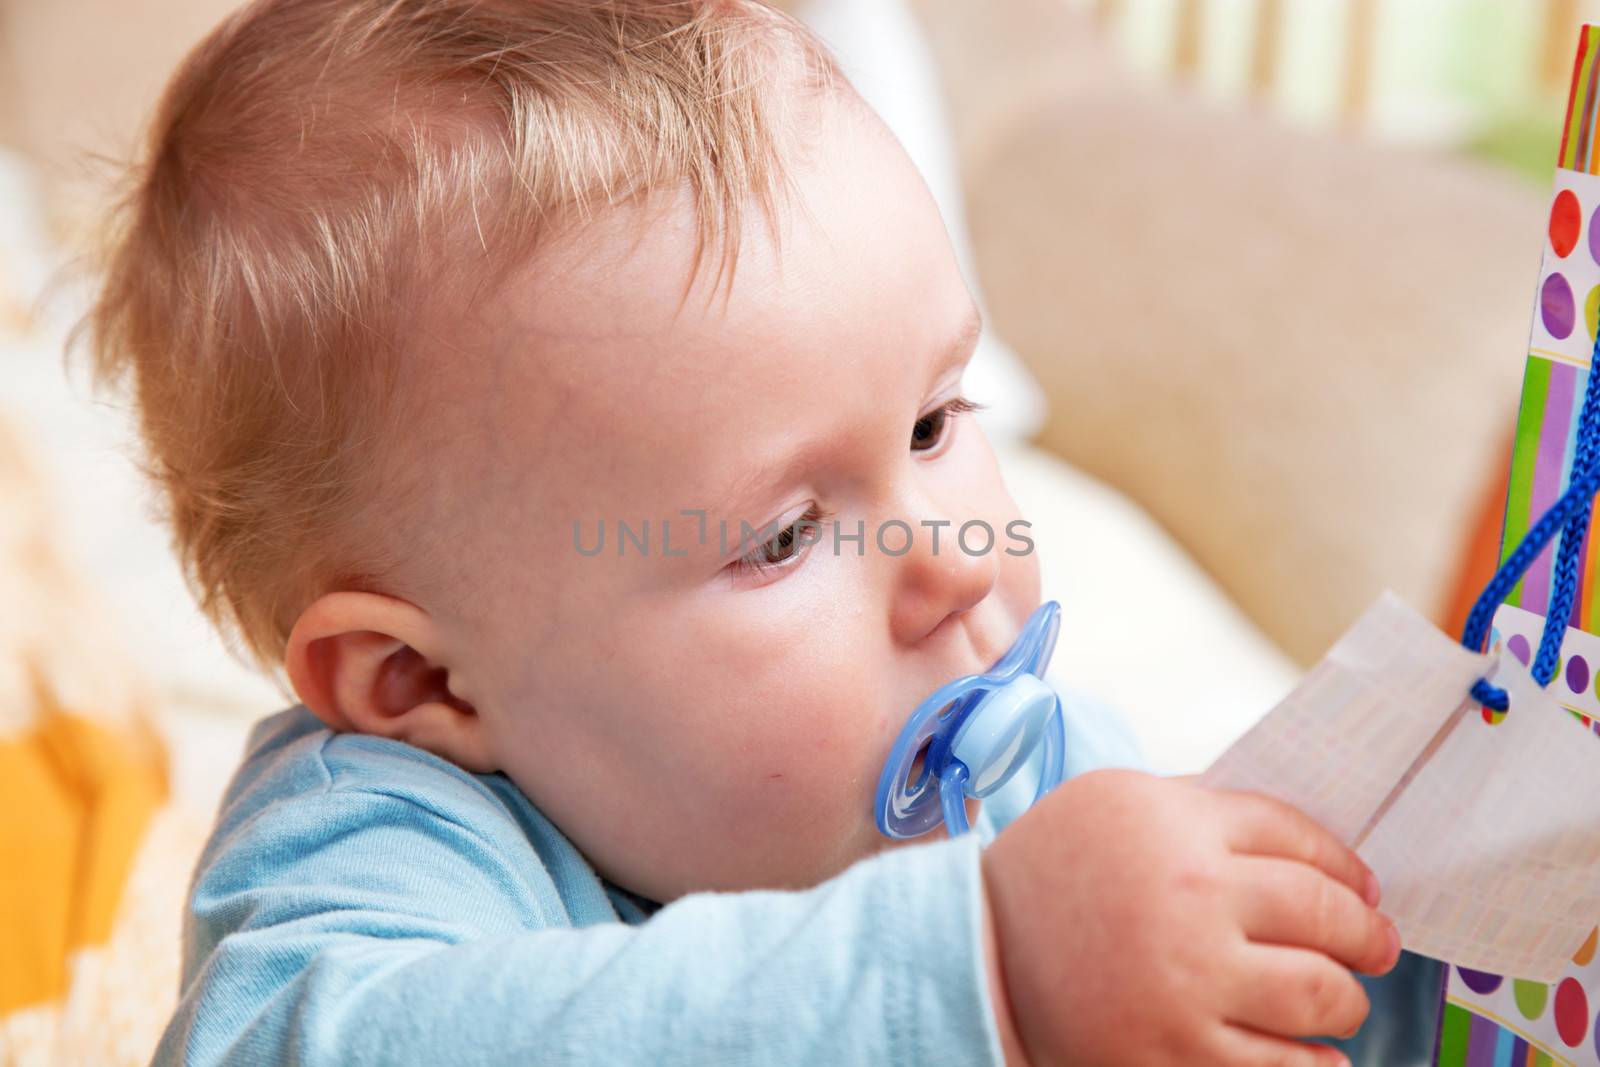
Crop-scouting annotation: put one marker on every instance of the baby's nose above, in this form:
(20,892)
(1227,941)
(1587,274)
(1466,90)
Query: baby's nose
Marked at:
(939,581)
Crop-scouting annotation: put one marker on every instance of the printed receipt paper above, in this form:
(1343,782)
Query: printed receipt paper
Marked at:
(1485,838)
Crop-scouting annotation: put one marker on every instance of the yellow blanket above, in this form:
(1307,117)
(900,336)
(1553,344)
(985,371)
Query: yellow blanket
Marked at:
(93,862)
(79,798)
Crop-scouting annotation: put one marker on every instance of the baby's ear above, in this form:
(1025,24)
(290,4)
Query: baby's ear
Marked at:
(373,664)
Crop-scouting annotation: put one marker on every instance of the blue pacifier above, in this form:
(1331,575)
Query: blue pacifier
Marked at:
(975,733)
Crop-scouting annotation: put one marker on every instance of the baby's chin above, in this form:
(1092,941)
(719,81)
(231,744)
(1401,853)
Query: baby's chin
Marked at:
(755,858)
(867,840)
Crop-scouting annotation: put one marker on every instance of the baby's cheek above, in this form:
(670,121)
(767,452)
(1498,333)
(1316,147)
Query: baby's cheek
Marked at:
(808,801)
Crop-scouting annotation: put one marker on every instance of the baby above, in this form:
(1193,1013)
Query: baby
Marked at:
(423,300)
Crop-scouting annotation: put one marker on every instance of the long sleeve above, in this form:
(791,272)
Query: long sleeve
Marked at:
(385,916)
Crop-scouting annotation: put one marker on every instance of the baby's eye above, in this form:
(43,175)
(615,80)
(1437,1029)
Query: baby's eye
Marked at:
(786,546)
(928,431)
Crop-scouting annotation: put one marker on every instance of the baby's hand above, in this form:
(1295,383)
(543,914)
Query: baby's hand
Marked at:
(1140,920)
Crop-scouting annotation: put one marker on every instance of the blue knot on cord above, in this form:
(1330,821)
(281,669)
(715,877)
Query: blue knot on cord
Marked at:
(1569,517)
(1490,696)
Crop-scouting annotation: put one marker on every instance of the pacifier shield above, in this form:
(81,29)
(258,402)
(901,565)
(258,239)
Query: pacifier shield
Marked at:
(1001,732)
(974,734)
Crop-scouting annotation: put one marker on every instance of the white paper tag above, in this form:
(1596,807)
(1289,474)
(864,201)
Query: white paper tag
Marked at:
(1485,836)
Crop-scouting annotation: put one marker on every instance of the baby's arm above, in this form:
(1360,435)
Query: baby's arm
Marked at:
(352,927)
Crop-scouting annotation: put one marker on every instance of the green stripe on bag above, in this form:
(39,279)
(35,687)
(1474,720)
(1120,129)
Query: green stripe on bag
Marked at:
(1454,1030)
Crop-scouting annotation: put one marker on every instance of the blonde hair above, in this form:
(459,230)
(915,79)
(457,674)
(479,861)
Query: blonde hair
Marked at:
(319,170)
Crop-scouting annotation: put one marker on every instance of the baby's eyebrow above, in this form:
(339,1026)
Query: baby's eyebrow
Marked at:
(966,338)
(774,471)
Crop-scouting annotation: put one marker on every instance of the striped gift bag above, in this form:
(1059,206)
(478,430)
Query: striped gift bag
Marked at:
(1491,1020)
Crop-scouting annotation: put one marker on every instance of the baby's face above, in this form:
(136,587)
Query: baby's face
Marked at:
(700,712)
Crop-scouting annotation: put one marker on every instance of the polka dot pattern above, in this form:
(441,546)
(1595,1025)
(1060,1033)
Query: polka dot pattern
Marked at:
(1556,306)
(1480,982)
(1531,998)
(1577,674)
(1567,292)
(1492,1019)
(1571,1012)
(1585,955)
(1575,668)
(1518,647)
(1523,1016)
(1566,219)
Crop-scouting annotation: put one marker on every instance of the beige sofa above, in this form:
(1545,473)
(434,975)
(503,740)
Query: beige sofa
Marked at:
(1300,352)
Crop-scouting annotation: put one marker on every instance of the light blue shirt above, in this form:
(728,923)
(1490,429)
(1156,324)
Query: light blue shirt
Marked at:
(363,902)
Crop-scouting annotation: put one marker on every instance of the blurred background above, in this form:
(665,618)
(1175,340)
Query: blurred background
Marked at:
(1471,75)
(1476,76)
(1258,276)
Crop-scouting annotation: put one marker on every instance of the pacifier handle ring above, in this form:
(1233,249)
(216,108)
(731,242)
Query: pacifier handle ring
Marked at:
(953,797)
(953,780)
(920,731)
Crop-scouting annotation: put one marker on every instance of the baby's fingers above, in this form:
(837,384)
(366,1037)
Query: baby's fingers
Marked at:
(1293,992)
(1286,903)
(1242,1047)
(1260,825)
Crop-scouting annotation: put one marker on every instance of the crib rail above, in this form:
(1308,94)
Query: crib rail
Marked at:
(1539,55)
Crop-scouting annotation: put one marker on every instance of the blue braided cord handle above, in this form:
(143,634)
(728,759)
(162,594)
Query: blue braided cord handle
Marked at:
(1569,516)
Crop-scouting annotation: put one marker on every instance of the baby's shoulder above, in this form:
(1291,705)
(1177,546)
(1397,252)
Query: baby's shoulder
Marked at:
(338,803)
(292,759)
(366,836)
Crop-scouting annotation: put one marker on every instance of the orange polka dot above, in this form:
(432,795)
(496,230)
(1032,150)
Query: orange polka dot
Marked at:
(1586,953)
